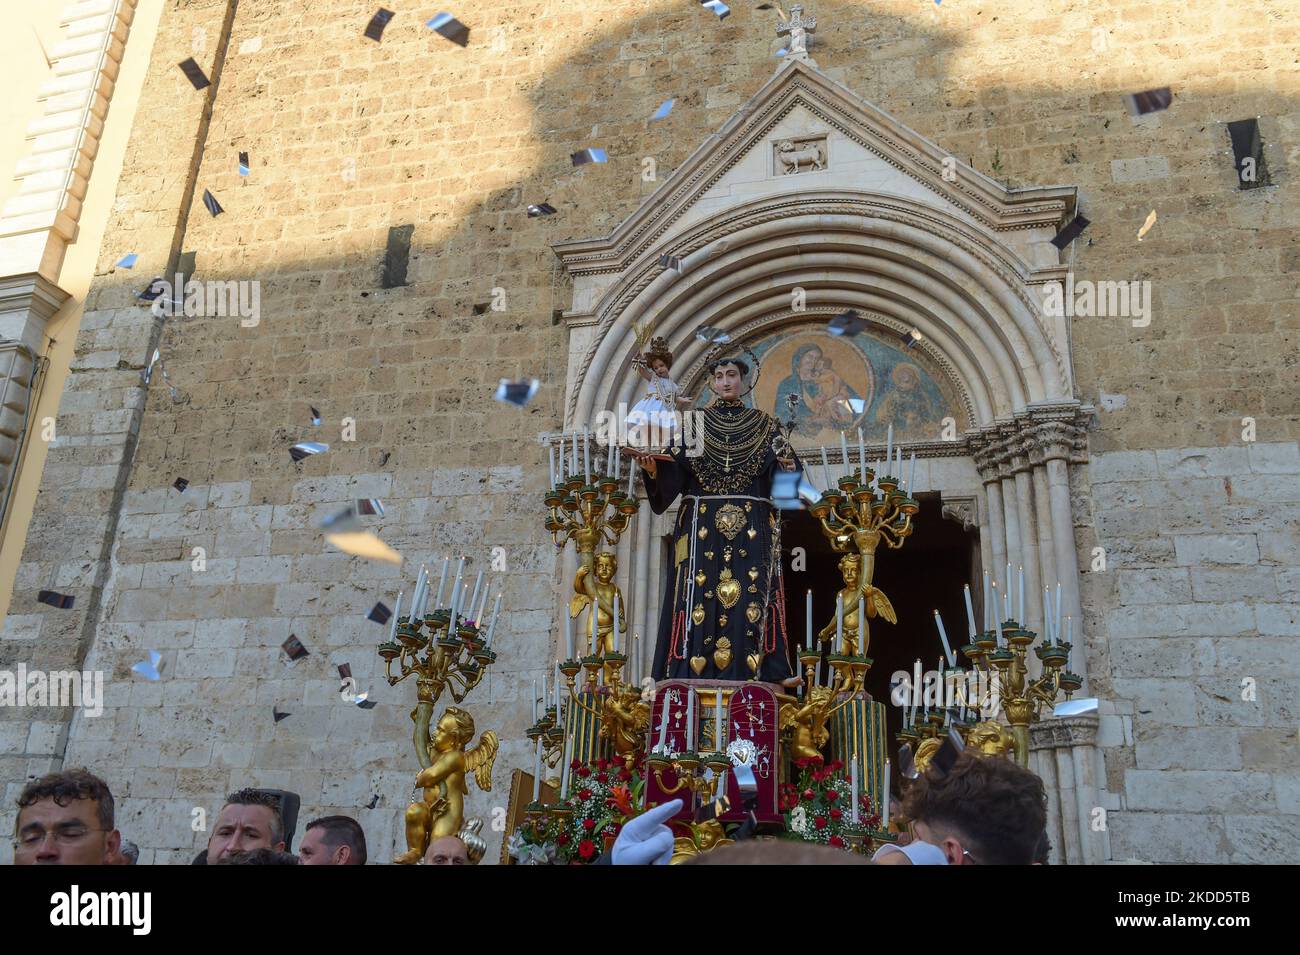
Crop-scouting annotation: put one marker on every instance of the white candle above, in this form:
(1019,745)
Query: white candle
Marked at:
(1057,617)
(911,476)
(565,760)
(442,582)
(853,778)
(997,621)
(558,676)
(884,812)
(550,449)
(970,612)
(988,607)
(839,623)
(544,694)
(717,720)
(1047,614)
(663,723)
(573,462)
(455,606)
(473,601)
(862,626)
(899,466)
(568,632)
(415,594)
(631,476)
(609,458)
(586,454)
(492,628)
(1021,606)
(535,700)
(690,719)
(943,635)
(826,470)
(862,455)
(537,772)
(480,614)
(809,607)
(844,451)
(889,445)
(392,626)
(943,694)
(614,634)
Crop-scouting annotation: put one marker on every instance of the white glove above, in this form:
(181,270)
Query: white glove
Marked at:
(645,840)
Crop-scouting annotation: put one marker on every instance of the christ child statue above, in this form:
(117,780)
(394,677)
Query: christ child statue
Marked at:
(652,422)
(604,590)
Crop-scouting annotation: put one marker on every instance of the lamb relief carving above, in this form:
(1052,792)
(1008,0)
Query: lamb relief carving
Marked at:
(800,155)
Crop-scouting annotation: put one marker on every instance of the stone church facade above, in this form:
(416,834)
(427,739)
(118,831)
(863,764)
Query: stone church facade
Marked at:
(910,165)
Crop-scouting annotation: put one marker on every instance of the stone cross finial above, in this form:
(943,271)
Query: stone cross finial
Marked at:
(798,29)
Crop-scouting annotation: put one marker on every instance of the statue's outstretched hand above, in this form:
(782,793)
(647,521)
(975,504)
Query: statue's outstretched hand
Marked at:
(645,840)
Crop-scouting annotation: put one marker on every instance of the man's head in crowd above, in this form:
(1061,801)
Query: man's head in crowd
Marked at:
(333,840)
(446,850)
(249,820)
(65,818)
(986,810)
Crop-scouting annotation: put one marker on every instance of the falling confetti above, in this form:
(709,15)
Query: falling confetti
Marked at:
(210,201)
(148,670)
(1070,232)
(1146,226)
(54,599)
(1149,101)
(584,156)
(194,73)
(375,28)
(445,25)
(379,613)
(664,109)
(180,484)
(307,448)
(846,323)
(127,261)
(541,209)
(517,393)
(363,544)
(293,648)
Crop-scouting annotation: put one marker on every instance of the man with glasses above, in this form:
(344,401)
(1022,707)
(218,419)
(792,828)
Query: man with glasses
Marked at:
(66,818)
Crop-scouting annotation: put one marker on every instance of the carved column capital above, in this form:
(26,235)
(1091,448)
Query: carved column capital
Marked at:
(1064,732)
(963,510)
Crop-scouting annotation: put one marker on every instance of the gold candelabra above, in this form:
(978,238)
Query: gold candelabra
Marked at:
(1002,652)
(857,518)
(442,654)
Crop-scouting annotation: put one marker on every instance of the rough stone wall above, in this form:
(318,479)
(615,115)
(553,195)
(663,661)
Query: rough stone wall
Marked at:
(348,138)
(1196,623)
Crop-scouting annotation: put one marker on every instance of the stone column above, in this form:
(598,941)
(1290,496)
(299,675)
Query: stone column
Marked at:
(1056,440)
(996,528)
(1028,537)
(1064,754)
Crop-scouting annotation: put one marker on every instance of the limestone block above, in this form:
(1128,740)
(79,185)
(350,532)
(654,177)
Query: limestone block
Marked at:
(1202,549)
(1198,791)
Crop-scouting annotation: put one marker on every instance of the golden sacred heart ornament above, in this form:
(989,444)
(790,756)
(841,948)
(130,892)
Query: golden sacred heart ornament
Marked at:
(697,615)
(730,519)
(700,578)
(753,660)
(728,588)
(753,612)
(722,655)
(697,664)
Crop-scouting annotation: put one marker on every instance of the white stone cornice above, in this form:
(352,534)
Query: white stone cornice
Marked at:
(64,137)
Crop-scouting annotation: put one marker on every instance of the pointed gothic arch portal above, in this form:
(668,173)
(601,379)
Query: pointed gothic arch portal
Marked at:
(809,202)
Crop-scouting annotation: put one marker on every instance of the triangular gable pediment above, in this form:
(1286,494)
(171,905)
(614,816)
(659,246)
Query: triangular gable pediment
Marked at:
(857,146)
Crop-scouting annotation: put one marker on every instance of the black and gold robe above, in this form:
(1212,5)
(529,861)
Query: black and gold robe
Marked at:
(723,613)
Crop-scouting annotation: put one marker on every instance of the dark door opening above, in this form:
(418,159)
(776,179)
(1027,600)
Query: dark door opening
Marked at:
(926,574)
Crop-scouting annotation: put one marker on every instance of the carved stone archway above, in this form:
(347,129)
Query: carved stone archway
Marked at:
(881,221)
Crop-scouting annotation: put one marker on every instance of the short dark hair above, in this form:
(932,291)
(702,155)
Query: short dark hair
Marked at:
(68,786)
(995,805)
(258,856)
(260,797)
(341,831)
(741,365)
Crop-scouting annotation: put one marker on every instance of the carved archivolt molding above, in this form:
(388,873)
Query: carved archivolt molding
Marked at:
(716,230)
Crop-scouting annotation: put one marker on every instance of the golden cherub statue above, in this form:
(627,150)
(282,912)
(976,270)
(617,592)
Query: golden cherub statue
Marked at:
(624,720)
(925,753)
(806,724)
(600,593)
(442,812)
(704,837)
(875,603)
